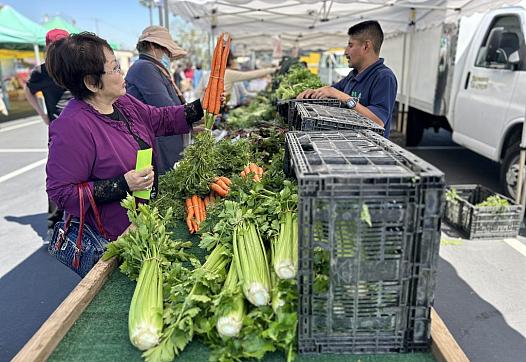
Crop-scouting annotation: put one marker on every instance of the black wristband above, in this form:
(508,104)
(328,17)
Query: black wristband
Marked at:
(113,189)
(193,111)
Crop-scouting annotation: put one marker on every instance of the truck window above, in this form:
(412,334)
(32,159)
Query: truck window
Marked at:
(502,39)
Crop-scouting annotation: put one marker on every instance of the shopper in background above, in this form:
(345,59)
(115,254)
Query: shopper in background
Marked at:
(198,73)
(150,81)
(234,87)
(55,98)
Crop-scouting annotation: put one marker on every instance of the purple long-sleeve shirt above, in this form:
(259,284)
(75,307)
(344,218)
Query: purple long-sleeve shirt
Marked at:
(87,146)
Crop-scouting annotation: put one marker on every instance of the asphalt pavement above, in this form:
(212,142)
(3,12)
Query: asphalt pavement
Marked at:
(480,285)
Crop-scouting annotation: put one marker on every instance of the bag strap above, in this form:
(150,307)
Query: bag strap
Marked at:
(98,219)
(78,242)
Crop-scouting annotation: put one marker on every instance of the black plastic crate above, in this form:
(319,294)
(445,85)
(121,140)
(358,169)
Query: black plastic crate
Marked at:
(481,222)
(364,289)
(313,117)
(287,108)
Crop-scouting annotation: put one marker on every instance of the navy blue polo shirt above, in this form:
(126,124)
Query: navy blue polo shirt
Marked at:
(375,87)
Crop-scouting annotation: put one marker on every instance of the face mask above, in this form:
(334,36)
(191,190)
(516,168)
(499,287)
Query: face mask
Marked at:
(165,60)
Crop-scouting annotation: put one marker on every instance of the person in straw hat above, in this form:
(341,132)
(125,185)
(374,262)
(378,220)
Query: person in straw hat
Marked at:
(149,80)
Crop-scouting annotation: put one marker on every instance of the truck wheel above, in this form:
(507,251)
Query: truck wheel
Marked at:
(509,170)
(415,129)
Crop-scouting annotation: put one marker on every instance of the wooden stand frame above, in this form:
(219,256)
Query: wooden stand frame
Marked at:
(45,340)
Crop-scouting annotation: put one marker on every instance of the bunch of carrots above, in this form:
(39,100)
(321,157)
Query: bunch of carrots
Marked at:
(216,83)
(195,206)
(254,169)
(221,186)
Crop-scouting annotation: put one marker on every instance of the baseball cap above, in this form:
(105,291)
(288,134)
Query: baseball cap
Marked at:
(160,36)
(55,34)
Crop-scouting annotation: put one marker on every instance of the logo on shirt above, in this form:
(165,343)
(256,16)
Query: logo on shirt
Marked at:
(356,94)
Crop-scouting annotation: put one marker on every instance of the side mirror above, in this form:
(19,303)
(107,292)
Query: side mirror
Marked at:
(514,58)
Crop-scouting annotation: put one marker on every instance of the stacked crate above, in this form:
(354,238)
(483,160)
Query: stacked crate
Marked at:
(313,117)
(287,108)
(369,233)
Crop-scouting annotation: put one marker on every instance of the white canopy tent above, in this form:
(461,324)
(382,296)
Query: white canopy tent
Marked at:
(310,24)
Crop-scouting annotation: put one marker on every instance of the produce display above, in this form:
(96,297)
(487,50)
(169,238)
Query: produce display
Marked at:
(241,300)
(296,81)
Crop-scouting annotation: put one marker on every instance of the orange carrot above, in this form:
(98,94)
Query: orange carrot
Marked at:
(218,190)
(189,213)
(260,169)
(214,76)
(222,184)
(221,83)
(189,225)
(202,209)
(196,226)
(195,206)
(243,173)
(206,200)
(253,168)
(208,101)
(226,180)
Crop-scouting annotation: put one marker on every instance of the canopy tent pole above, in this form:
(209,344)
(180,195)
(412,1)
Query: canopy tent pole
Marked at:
(37,54)
(166,15)
(3,90)
(401,101)
(407,81)
(521,193)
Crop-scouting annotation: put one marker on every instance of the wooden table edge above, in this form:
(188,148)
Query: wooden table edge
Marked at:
(45,340)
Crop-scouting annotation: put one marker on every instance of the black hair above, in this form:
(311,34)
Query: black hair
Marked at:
(69,60)
(368,30)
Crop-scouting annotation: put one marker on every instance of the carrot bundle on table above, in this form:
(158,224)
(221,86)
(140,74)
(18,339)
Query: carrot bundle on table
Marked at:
(216,83)
(253,169)
(195,213)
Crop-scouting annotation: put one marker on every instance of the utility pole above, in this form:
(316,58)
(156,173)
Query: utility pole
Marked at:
(166,15)
(159,5)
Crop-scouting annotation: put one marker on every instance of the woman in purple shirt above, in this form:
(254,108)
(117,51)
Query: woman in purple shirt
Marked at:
(98,134)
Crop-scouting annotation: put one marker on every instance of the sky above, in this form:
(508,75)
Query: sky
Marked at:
(120,21)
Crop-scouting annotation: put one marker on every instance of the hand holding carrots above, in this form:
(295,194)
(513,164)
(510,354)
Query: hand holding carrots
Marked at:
(253,169)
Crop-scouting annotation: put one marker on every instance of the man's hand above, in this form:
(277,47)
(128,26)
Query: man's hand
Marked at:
(306,94)
(324,93)
(140,180)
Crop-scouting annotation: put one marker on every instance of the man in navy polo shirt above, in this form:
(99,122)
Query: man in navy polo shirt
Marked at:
(370,87)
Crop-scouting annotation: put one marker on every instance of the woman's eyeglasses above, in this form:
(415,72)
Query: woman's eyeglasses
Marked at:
(117,69)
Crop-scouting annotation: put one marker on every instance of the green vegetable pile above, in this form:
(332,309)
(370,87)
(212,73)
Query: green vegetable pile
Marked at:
(259,110)
(296,81)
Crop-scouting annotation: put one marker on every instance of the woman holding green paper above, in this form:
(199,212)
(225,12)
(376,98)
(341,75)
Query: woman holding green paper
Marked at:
(99,133)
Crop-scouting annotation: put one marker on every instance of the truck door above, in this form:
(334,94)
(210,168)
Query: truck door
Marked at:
(484,96)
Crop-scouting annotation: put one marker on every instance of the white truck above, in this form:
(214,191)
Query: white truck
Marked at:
(468,77)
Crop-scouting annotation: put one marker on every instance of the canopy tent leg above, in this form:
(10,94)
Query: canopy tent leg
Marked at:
(407,81)
(37,54)
(401,102)
(521,186)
